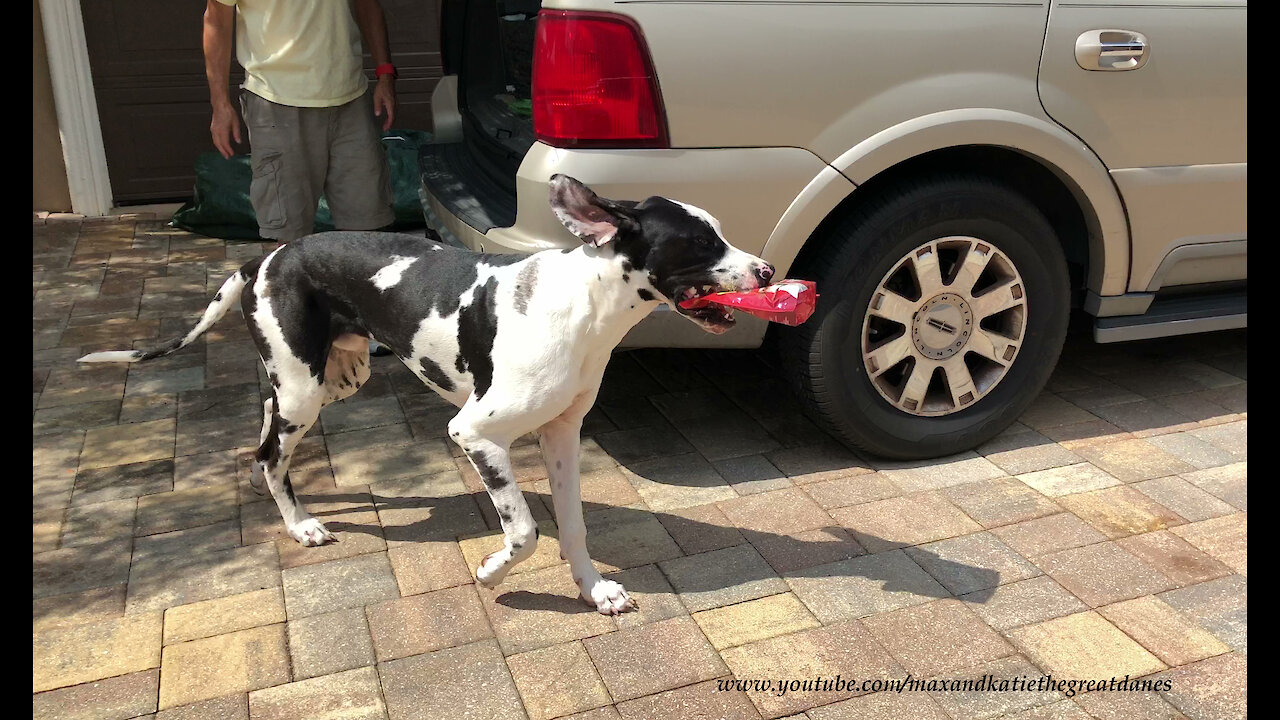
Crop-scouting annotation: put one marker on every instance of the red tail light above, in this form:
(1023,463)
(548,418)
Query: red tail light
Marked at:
(593,83)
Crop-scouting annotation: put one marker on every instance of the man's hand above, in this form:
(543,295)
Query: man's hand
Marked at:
(384,100)
(224,128)
(219,31)
(373,29)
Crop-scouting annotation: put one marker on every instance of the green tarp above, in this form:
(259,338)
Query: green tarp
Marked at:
(221,208)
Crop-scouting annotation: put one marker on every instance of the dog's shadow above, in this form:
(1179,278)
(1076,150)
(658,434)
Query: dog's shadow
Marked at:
(740,380)
(902,573)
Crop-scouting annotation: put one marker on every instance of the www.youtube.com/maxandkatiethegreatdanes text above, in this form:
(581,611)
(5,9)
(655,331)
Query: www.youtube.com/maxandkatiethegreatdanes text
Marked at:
(986,683)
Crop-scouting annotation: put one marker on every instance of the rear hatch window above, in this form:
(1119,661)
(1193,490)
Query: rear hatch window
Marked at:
(494,76)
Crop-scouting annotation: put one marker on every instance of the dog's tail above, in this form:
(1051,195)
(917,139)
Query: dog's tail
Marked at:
(227,295)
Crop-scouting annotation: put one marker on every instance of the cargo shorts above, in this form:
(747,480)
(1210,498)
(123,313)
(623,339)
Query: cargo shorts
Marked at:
(299,153)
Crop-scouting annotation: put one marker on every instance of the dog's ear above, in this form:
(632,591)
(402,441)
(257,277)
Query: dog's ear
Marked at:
(595,219)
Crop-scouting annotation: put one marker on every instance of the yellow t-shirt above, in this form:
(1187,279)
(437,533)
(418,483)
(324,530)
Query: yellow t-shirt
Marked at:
(304,53)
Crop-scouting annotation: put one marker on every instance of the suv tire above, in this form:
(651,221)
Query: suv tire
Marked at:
(835,360)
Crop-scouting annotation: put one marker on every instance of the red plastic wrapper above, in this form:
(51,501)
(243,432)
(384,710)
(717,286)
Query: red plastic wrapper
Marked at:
(789,302)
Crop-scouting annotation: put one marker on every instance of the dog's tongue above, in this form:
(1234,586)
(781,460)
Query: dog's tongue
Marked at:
(789,302)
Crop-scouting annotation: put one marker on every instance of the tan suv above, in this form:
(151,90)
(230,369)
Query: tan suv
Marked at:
(956,176)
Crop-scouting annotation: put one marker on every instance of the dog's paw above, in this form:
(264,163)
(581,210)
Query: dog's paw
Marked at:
(491,571)
(311,532)
(609,598)
(258,478)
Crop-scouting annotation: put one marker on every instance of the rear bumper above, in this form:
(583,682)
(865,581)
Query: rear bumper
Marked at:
(747,189)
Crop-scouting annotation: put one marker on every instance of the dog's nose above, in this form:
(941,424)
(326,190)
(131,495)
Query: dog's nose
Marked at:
(765,273)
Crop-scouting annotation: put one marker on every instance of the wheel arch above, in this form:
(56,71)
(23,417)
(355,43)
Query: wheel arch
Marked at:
(1052,168)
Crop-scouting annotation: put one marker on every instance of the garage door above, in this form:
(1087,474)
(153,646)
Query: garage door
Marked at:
(153,100)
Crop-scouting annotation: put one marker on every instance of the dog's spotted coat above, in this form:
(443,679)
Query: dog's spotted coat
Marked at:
(518,342)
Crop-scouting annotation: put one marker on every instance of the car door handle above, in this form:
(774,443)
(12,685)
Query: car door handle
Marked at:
(1112,50)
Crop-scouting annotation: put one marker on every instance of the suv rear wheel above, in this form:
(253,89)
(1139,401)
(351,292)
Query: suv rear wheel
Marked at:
(943,307)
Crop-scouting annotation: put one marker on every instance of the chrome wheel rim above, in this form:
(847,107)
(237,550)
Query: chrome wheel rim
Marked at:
(944,326)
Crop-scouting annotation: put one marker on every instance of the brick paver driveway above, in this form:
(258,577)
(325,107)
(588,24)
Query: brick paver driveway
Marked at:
(1103,535)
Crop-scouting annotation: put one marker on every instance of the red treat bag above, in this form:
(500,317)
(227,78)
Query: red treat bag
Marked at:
(789,302)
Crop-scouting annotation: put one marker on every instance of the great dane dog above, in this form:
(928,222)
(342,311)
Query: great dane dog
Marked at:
(518,342)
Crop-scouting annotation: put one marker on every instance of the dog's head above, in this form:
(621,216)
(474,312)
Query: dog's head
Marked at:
(678,248)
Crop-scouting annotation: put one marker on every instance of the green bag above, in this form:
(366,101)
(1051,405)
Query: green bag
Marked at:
(220,207)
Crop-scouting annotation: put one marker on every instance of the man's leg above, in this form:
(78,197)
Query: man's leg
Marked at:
(358,185)
(287,179)
(358,181)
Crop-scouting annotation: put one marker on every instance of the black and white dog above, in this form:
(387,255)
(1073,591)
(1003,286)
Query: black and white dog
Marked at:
(518,342)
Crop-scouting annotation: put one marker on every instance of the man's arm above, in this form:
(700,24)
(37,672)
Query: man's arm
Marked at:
(219,29)
(373,28)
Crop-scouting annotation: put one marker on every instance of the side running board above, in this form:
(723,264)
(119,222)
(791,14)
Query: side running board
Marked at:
(1177,316)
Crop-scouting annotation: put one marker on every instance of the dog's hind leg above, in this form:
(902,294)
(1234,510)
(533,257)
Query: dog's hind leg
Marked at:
(561,440)
(257,478)
(488,452)
(345,372)
(296,410)
(290,325)
(268,410)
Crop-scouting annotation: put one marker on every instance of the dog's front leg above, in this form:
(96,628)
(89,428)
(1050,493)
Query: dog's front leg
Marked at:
(561,440)
(489,455)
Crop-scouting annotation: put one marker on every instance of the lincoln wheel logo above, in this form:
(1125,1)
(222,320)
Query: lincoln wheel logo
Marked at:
(945,327)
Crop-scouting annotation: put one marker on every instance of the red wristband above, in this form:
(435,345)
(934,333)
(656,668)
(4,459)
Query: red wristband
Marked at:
(386,69)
